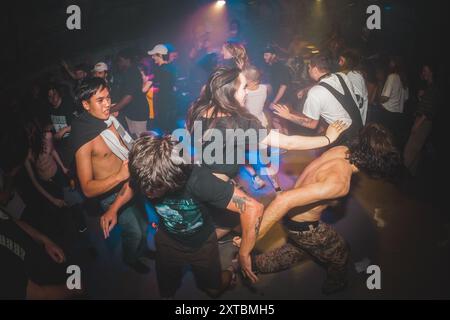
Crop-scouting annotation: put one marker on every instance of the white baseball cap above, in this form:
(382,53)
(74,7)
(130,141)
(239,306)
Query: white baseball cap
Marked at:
(100,66)
(160,48)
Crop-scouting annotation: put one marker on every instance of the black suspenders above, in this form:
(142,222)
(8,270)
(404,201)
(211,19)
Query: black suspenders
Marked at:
(347,102)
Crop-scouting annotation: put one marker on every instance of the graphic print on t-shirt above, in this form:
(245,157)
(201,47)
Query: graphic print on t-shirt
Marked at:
(180,216)
(59,122)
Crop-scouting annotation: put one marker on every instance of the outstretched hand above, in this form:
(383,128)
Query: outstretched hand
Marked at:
(282,111)
(335,129)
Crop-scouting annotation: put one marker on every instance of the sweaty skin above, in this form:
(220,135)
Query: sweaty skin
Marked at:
(325,179)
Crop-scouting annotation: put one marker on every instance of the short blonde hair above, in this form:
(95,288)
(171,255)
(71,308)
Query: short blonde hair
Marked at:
(252,73)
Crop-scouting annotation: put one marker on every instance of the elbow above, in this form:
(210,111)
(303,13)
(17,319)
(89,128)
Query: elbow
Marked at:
(255,209)
(87,192)
(282,202)
(334,191)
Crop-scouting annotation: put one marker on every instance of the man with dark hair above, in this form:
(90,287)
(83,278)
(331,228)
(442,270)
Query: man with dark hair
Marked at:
(164,81)
(61,111)
(279,77)
(100,145)
(186,235)
(133,102)
(323,181)
(184,197)
(280,83)
(332,99)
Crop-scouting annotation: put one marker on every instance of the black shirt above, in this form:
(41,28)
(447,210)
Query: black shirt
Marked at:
(131,84)
(165,76)
(185,215)
(63,115)
(14,243)
(278,76)
(238,146)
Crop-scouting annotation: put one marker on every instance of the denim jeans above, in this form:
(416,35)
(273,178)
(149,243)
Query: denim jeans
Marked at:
(134,229)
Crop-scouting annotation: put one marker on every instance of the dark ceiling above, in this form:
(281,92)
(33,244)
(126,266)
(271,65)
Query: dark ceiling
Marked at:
(34,33)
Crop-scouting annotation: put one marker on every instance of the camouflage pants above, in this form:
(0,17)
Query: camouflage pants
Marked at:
(322,243)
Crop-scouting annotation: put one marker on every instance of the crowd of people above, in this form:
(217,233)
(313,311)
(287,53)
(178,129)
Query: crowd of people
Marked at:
(96,140)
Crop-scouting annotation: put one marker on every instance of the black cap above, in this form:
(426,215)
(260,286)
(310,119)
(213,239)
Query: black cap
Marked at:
(269,49)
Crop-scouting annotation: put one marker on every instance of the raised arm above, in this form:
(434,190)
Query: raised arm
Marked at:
(279,140)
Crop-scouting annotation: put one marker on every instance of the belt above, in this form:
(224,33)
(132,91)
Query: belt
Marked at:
(295,227)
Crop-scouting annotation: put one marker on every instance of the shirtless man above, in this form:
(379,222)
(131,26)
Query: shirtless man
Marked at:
(102,173)
(322,182)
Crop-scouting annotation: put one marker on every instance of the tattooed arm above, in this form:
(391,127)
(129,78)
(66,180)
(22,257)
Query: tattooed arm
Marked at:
(251,212)
(278,140)
(109,218)
(284,112)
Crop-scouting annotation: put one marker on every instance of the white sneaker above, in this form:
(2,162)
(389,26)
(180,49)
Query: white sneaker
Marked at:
(258,183)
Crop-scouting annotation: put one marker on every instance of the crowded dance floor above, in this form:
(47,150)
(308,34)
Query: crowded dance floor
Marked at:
(256,150)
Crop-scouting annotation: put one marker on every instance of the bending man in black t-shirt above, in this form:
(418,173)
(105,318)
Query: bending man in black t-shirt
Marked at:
(183,196)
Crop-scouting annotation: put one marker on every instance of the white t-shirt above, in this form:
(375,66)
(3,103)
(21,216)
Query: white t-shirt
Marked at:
(254,102)
(360,91)
(393,89)
(321,103)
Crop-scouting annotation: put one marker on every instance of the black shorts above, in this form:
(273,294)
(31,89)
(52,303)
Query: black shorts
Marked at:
(172,256)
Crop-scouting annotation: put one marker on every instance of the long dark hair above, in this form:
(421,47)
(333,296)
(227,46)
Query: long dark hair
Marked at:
(218,95)
(375,153)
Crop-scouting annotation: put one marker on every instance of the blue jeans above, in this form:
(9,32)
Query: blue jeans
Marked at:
(134,229)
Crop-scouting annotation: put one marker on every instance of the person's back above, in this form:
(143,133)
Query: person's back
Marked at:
(182,216)
(360,91)
(324,180)
(332,162)
(328,161)
(396,92)
(320,102)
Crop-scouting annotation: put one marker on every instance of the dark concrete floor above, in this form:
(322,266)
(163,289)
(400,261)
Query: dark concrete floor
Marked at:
(414,263)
